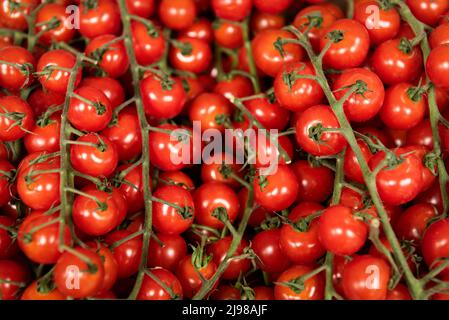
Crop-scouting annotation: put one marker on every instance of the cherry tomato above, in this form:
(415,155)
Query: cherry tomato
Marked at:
(235,10)
(439,36)
(166,251)
(428,11)
(148,47)
(37,291)
(400,292)
(188,272)
(177,178)
(269,114)
(351,166)
(266,246)
(261,21)
(177,14)
(7,172)
(14,275)
(201,29)
(16,118)
(53,23)
(40,100)
(109,264)
(437,64)
(228,35)
(19,75)
(111,88)
(12,13)
(8,246)
(141,8)
(315,182)
(99,18)
(207,108)
(44,136)
(189,54)
(435,245)
(152,290)
(313,287)
(274,7)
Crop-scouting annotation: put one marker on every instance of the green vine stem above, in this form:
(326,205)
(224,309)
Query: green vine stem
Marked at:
(249,53)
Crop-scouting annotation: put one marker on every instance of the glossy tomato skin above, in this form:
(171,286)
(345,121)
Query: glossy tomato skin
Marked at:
(151,290)
(428,177)
(33,292)
(12,271)
(111,88)
(201,29)
(274,7)
(261,21)
(109,264)
(133,193)
(297,94)
(70,267)
(271,257)
(210,169)
(236,267)
(166,218)
(64,32)
(196,60)
(400,292)
(57,80)
(366,278)
(437,66)
(188,275)
(177,14)
(278,190)
(270,114)
(15,128)
(228,35)
(205,109)
(330,142)
(352,50)
(237,87)
(12,16)
(211,197)
(315,182)
(141,8)
(12,78)
(400,184)
(302,246)
(340,232)
(439,36)
(40,100)
(103,18)
(100,160)
(313,286)
(177,178)
(393,65)
(435,245)
(267,58)
(235,10)
(44,136)
(42,246)
(148,48)
(168,252)
(351,166)
(8,246)
(428,11)
(6,181)
(360,107)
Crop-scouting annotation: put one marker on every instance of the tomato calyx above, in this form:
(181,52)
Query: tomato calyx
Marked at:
(430,161)
(185,47)
(89,5)
(415,93)
(199,258)
(335,36)
(289,78)
(303,224)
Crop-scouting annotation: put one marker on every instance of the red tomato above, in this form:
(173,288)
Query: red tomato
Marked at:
(428,11)
(127,254)
(152,290)
(177,178)
(400,292)
(201,29)
(132,187)
(274,7)
(235,87)
(266,246)
(435,245)
(6,181)
(235,10)
(177,14)
(148,47)
(44,136)
(437,65)
(111,88)
(109,264)
(207,107)
(141,8)
(261,21)
(99,18)
(17,76)
(315,182)
(189,54)
(35,291)
(61,31)
(313,287)
(269,114)
(14,276)
(12,13)
(188,272)
(8,246)
(166,251)
(16,118)
(341,232)
(40,100)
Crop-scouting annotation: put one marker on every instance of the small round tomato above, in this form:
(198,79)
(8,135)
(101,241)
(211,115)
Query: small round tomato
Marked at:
(75,277)
(351,166)
(40,100)
(403,107)
(313,287)
(110,53)
(269,114)
(12,13)
(226,292)
(341,232)
(366,278)
(208,108)
(91,111)
(8,245)
(13,275)
(132,187)
(235,10)
(300,242)
(412,223)
(95,155)
(367,100)
(295,93)
(162,98)
(315,182)
(42,245)
(397,61)
(261,21)
(266,246)
(152,290)
(111,88)
(141,8)
(435,245)
(401,183)
(109,264)
(235,87)
(277,190)
(16,118)
(45,135)
(211,166)
(53,24)
(400,292)
(350,44)
(148,47)
(18,75)
(189,54)
(174,209)
(439,36)
(166,250)
(201,29)
(272,7)
(228,35)
(437,65)
(7,173)
(428,11)
(127,254)
(99,17)
(267,57)
(177,14)
(50,76)
(310,136)
(188,272)
(428,176)
(177,178)
(36,291)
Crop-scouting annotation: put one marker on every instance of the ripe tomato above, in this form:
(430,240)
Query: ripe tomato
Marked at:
(400,292)
(132,187)
(76,278)
(396,61)
(269,114)
(366,278)
(315,182)
(188,272)
(366,102)
(152,290)
(12,13)
(110,53)
(293,92)
(439,36)
(189,54)
(351,166)
(40,100)
(228,35)
(127,254)
(177,14)
(207,108)
(310,136)
(162,98)
(141,8)
(170,219)
(7,172)
(274,7)
(109,264)
(50,30)
(437,65)
(277,190)
(210,169)
(8,245)
(301,245)
(177,178)
(261,21)
(226,292)
(166,251)
(401,183)
(14,275)
(403,108)
(341,232)
(258,214)
(36,291)
(148,47)
(99,18)
(111,88)
(201,29)
(428,11)
(236,267)
(352,50)
(51,77)
(313,287)
(19,76)
(382,26)
(44,136)
(16,118)
(435,245)
(266,246)
(427,175)
(93,116)
(98,159)
(267,57)
(42,245)
(235,87)
(235,10)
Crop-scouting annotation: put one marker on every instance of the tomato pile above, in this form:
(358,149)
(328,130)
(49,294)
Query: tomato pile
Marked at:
(93,205)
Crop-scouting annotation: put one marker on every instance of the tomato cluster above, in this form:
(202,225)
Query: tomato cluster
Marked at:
(349,104)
